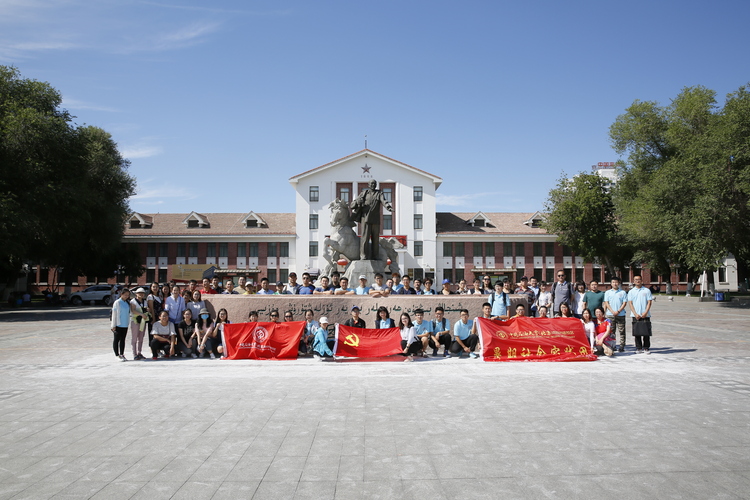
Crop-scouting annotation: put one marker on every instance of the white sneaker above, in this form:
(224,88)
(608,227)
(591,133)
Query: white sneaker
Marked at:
(317,357)
(193,355)
(212,355)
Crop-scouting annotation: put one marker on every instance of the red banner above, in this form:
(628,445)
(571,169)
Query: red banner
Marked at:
(263,340)
(534,339)
(367,343)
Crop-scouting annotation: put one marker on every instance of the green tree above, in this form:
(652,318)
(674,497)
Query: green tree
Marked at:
(581,212)
(63,188)
(683,195)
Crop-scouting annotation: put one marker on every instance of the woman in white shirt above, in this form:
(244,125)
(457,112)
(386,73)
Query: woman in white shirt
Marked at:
(196,304)
(409,341)
(578,300)
(165,337)
(589,326)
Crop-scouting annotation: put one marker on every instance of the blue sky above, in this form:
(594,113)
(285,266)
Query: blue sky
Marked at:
(218,103)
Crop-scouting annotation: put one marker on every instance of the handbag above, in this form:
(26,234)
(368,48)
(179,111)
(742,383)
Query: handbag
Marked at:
(641,328)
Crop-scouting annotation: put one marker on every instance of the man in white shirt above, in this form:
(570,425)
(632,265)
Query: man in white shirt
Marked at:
(378,289)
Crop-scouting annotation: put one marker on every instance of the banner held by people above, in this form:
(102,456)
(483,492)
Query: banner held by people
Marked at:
(263,340)
(366,343)
(534,339)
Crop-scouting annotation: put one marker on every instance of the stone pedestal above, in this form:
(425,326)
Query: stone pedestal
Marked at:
(366,267)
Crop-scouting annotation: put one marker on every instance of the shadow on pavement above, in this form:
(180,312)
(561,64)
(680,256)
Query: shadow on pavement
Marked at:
(54,314)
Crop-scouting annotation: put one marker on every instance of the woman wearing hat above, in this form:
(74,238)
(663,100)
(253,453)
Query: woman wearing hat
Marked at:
(203,330)
(321,345)
(140,322)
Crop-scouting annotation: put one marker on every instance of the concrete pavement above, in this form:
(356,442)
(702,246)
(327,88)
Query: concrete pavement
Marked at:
(76,423)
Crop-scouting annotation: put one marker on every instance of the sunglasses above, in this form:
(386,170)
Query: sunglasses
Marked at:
(274,315)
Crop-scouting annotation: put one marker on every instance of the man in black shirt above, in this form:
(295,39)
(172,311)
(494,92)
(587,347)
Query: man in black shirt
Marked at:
(406,289)
(355,320)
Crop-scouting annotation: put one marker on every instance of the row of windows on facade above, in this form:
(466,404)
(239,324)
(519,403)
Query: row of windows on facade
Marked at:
(219,250)
(344,193)
(487,249)
(387,222)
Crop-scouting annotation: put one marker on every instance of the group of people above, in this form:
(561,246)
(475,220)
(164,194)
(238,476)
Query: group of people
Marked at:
(177,321)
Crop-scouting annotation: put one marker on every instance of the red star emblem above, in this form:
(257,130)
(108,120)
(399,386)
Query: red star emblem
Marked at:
(365,169)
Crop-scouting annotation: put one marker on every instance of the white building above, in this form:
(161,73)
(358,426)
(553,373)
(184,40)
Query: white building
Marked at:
(411,192)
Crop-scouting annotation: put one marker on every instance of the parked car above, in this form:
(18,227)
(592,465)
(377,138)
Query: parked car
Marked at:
(97,293)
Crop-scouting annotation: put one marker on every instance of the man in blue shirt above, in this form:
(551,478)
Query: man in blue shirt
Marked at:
(441,333)
(640,300)
(406,289)
(500,302)
(306,288)
(362,289)
(264,290)
(463,340)
(615,301)
(324,288)
(344,288)
(423,330)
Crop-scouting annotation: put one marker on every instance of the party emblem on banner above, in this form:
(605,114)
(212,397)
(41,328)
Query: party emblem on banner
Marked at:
(366,343)
(352,340)
(264,340)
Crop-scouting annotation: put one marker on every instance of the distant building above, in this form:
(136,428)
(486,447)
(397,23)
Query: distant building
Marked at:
(440,245)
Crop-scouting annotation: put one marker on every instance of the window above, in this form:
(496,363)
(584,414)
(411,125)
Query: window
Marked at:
(448,249)
(192,223)
(418,250)
(313,249)
(418,193)
(448,274)
(313,221)
(314,193)
(272,276)
(722,275)
(579,274)
(566,251)
(417,221)
(507,249)
(550,277)
(344,194)
(135,224)
(284,249)
(163,249)
(478,249)
(625,274)
(460,249)
(223,249)
(241,250)
(520,250)
(478,222)
(271,249)
(151,250)
(459,275)
(253,250)
(211,250)
(181,250)
(387,222)
(539,274)
(550,249)
(251,222)
(284,275)
(417,273)
(537,249)
(193,249)
(162,275)
(388,194)
(150,275)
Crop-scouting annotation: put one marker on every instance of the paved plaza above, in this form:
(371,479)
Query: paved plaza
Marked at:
(76,423)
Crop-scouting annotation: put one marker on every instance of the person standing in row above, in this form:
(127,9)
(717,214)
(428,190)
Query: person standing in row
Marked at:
(615,301)
(562,293)
(140,323)
(120,322)
(640,300)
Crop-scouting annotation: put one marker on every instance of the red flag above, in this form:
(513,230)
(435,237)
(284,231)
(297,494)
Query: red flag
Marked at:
(534,339)
(263,340)
(366,342)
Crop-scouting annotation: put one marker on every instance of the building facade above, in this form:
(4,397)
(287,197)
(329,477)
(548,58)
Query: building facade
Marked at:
(440,245)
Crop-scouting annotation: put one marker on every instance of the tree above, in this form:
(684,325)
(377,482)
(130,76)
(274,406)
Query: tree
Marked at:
(581,212)
(683,195)
(63,188)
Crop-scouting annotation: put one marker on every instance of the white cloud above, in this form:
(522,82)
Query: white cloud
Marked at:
(76,104)
(141,151)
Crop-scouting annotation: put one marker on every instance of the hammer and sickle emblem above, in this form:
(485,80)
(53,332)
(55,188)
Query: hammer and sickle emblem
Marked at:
(352,340)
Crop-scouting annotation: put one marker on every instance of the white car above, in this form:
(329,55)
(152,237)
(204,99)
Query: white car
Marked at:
(97,293)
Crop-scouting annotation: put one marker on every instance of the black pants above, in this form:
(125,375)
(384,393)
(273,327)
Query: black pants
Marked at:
(157,345)
(414,347)
(442,340)
(213,344)
(642,341)
(118,345)
(471,342)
